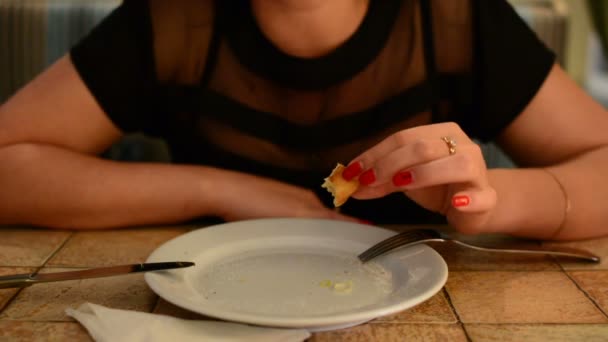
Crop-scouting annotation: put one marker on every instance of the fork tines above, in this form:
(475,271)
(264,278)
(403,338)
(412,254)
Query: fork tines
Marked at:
(398,240)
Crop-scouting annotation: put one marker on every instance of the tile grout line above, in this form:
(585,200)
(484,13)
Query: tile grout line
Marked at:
(36,270)
(578,286)
(47,259)
(10,301)
(411,322)
(57,250)
(460,323)
(530,324)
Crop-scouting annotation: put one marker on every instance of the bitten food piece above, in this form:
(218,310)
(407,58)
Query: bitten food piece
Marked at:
(340,188)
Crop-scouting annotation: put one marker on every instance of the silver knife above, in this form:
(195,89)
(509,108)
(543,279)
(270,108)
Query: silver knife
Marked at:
(28,279)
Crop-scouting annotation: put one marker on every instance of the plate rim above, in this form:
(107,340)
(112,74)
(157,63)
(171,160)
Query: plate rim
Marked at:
(314,322)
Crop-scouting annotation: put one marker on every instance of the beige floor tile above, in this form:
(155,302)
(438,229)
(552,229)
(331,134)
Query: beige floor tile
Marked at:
(360,333)
(388,332)
(15,331)
(540,333)
(435,310)
(106,248)
(595,246)
(595,284)
(520,297)
(29,247)
(7,294)
(47,302)
(418,332)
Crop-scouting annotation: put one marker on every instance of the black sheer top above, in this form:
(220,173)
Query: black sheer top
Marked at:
(202,75)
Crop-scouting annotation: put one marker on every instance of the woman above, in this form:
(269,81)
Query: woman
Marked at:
(259,100)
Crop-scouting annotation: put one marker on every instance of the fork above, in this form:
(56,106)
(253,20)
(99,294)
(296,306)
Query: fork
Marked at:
(418,236)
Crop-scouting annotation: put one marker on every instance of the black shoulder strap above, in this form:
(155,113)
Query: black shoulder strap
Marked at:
(429,57)
(213,48)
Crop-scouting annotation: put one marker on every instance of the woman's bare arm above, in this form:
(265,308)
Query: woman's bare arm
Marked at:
(50,186)
(50,134)
(562,129)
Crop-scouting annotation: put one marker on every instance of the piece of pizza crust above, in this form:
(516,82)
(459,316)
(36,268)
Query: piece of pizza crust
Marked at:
(340,188)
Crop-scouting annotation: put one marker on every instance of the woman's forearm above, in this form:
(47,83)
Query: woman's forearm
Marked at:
(49,186)
(531,203)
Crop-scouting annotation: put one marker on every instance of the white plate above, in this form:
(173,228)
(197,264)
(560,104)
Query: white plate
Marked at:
(294,273)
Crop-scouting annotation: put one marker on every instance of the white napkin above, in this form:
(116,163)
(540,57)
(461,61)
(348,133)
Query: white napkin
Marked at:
(105,324)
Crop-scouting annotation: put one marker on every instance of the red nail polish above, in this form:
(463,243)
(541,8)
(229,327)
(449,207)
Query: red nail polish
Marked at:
(402,178)
(460,201)
(352,170)
(367,177)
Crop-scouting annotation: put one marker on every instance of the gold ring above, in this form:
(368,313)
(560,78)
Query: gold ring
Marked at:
(451,144)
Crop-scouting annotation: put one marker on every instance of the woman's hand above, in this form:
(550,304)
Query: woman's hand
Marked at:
(243,196)
(422,163)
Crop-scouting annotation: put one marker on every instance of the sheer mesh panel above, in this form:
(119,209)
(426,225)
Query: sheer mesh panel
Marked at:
(304,113)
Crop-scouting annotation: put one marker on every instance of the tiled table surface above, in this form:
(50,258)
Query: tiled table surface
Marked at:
(488,297)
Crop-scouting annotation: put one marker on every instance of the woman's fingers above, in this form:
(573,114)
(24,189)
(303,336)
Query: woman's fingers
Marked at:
(418,152)
(474,200)
(468,209)
(408,137)
(438,166)
(458,168)
(371,192)
(466,166)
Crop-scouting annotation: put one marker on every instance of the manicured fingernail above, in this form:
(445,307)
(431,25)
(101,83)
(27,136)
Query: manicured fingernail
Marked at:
(352,171)
(367,177)
(366,222)
(402,178)
(460,201)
